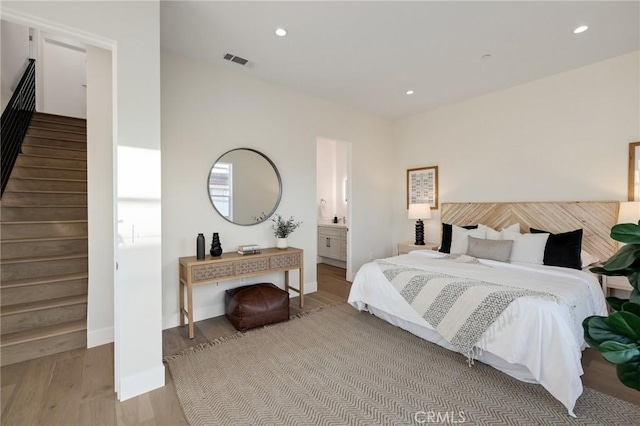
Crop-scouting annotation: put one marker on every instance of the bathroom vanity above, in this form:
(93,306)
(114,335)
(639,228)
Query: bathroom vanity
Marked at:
(332,241)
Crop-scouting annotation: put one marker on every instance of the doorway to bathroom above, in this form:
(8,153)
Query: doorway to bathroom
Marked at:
(333,169)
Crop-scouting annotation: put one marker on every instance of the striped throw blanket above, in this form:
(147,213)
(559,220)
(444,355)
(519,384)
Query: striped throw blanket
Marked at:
(460,309)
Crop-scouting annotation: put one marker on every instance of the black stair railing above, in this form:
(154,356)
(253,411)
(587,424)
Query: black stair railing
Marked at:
(15,121)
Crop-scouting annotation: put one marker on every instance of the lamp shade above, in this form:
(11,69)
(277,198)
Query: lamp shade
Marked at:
(419,211)
(629,212)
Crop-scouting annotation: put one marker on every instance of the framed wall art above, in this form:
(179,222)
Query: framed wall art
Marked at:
(422,186)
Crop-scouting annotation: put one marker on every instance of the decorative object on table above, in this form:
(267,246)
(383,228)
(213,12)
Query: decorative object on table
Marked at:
(249,249)
(419,211)
(283,228)
(422,186)
(216,248)
(617,336)
(200,247)
(335,218)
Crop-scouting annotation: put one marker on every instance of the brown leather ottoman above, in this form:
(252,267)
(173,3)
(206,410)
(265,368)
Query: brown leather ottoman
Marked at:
(256,305)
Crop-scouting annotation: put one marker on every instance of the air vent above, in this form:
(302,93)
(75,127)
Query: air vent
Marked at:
(237,59)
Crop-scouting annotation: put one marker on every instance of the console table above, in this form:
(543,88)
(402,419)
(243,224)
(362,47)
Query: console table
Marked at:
(233,266)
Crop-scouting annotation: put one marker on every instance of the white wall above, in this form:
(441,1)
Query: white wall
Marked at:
(207,110)
(331,172)
(326,179)
(63,76)
(341,175)
(132,31)
(100,319)
(14,57)
(562,138)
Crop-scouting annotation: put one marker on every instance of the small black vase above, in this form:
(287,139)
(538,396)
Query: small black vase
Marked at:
(200,247)
(216,248)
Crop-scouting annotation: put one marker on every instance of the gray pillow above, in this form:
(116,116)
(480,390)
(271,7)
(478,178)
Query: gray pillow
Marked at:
(499,250)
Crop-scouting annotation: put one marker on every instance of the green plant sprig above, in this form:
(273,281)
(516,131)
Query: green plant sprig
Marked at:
(283,228)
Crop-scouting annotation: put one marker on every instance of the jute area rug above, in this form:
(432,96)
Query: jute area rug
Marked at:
(336,366)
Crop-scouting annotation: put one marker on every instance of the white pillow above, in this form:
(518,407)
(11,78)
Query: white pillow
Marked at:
(588,259)
(492,234)
(527,248)
(460,238)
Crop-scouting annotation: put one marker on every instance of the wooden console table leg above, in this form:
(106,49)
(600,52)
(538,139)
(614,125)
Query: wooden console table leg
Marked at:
(181,304)
(190,307)
(301,286)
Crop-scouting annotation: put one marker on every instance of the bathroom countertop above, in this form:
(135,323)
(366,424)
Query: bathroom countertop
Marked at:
(334,225)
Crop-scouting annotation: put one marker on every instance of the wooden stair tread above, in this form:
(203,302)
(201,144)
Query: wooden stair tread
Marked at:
(57,130)
(57,138)
(43,280)
(11,339)
(57,116)
(49,179)
(31,222)
(43,258)
(38,191)
(41,119)
(43,304)
(50,167)
(44,239)
(63,148)
(26,156)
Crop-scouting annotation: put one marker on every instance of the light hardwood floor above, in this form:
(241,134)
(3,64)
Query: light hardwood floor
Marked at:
(76,387)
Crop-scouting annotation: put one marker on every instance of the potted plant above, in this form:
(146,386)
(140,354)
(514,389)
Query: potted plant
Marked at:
(617,336)
(283,228)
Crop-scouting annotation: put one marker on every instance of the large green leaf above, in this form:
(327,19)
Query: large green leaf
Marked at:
(631,307)
(597,330)
(617,353)
(626,232)
(623,258)
(629,374)
(616,303)
(625,323)
(635,296)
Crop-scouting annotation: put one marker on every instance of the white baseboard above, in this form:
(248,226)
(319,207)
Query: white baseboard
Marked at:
(211,311)
(100,337)
(140,383)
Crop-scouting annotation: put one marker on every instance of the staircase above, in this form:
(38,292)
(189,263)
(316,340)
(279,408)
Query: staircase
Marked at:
(43,241)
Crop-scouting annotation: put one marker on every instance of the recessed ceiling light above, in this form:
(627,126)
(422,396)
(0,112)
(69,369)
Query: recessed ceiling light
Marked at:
(409,92)
(281,32)
(580,29)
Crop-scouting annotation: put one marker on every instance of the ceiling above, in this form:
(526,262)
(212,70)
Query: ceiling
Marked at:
(368,54)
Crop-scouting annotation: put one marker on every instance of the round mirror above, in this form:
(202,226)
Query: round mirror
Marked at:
(244,186)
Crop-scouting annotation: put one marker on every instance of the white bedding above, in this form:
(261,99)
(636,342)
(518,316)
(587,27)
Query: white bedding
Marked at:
(538,341)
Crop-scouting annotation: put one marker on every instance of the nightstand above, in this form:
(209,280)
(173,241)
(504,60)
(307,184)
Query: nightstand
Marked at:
(614,283)
(407,246)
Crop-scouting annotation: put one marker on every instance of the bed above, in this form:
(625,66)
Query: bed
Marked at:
(538,336)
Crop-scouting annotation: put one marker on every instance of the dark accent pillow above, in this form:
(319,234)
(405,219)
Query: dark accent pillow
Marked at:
(562,249)
(447,230)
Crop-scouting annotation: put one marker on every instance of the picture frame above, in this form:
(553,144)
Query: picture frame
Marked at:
(422,186)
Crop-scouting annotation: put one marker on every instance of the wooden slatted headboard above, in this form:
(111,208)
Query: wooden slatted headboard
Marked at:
(595,217)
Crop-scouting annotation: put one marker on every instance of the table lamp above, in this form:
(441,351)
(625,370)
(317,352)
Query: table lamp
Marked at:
(629,212)
(419,211)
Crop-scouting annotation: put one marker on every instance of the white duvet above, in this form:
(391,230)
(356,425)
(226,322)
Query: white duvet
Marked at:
(537,341)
